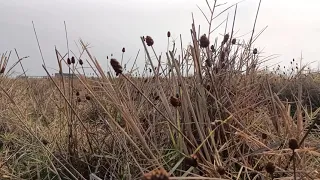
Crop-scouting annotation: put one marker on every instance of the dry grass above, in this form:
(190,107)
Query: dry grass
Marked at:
(212,114)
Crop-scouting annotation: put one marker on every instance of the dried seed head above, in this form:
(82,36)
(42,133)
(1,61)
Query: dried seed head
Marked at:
(2,70)
(80,62)
(208,87)
(116,66)
(222,56)
(158,174)
(208,63)
(221,170)
(44,142)
(79,99)
(77,93)
(225,38)
(68,61)
(88,97)
(233,41)
(270,167)
(175,102)
(73,60)
(204,41)
(212,49)
(123,49)
(149,41)
(293,144)
(168,34)
(264,136)
(255,51)
(191,161)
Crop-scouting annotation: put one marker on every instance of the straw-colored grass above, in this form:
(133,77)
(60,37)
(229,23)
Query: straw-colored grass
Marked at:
(207,113)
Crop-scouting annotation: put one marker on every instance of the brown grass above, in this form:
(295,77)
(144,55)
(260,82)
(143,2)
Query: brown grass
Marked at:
(227,121)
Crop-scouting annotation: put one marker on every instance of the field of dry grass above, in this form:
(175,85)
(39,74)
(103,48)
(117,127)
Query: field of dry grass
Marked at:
(206,111)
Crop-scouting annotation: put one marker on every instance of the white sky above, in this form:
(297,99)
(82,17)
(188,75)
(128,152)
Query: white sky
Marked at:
(293,27)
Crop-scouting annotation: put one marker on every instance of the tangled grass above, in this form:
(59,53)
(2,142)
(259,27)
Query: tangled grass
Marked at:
(207,112)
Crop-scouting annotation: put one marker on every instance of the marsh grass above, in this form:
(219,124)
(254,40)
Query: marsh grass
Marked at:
(203,112)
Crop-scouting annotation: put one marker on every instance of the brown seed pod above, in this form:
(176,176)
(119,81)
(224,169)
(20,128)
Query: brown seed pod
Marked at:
(221,170)
(270,167)
(158,174)
(123,49)
(222,56)
(2,70)
(255,51)
(44,142)
(168,34)
(68,61)
(88,97)
(77,93)
(225,38)
(208,63)
(204,41)
(191,161)
(149,41)
(264,136)
(73,60)
(293,144)
(212,49)
(208,87)
(116,66)
(80,62)
(233,41)
(79,99)
(175,102)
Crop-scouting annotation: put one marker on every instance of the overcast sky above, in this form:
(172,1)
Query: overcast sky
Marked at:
(293,27)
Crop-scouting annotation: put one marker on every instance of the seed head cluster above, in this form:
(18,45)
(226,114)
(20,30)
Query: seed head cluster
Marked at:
(68,61)
(175,102)
(293,144)
(204,41)
(149,41)
(80,62)
(225,38)
(73,60)
(270,167)
(191,161)
(158,174)
(116,66)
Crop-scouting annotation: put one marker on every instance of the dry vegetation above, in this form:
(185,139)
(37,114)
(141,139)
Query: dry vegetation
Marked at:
(208,113)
